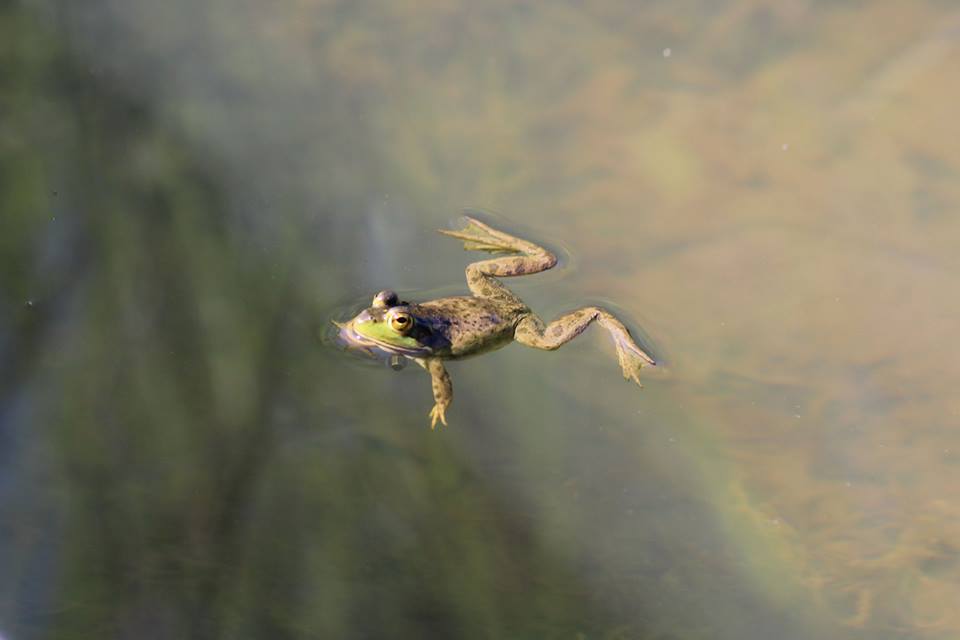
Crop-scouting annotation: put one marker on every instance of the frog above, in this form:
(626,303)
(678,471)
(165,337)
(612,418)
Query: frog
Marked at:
(491,317)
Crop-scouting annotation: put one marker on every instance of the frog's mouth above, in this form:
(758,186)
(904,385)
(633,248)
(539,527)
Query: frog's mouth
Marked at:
(352,340)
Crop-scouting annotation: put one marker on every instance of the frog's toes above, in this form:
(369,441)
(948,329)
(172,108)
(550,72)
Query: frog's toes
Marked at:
(438,413)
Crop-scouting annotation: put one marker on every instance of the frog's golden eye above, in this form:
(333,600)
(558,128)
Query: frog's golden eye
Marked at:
(401,322)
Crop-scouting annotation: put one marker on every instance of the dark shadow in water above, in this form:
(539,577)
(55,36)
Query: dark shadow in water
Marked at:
(166,489)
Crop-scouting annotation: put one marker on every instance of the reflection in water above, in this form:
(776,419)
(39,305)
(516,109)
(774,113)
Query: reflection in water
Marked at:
(187,192)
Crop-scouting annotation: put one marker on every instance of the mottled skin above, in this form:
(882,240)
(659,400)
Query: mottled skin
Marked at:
(455,327)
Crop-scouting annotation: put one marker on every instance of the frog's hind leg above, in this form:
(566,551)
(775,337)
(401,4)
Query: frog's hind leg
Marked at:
(526,258)
(532,332)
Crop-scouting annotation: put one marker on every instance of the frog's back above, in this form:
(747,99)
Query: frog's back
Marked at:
(468,325)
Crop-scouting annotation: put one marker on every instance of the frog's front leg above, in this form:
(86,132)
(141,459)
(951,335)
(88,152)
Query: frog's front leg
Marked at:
(532,332)
(442,389)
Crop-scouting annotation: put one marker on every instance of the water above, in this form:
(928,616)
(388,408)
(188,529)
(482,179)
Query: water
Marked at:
(191,192)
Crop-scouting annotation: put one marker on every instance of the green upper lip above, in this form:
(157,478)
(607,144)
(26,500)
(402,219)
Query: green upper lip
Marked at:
(355,340)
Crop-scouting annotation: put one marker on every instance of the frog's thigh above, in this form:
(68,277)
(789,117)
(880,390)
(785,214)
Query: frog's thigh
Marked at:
(532,332)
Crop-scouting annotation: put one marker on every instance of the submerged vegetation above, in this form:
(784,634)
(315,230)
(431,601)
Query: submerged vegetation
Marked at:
(171,469)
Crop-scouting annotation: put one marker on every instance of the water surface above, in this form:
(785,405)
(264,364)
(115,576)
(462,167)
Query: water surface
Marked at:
(191,190)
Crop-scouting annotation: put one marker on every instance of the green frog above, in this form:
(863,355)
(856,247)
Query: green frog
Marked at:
(490,318)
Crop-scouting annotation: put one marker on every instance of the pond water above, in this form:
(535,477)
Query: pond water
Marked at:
(766,191)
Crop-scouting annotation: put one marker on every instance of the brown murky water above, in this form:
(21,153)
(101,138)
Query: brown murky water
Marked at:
(768,189)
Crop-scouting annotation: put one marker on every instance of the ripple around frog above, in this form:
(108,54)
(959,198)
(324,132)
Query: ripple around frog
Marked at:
(331,334)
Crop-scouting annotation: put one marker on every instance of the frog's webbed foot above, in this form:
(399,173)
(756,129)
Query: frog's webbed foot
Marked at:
(631,358)
(478,236)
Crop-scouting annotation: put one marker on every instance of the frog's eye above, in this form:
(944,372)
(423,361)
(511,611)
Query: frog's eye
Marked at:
(385,299)
(401,322)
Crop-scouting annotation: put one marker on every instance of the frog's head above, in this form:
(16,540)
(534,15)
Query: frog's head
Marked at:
(388,325)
